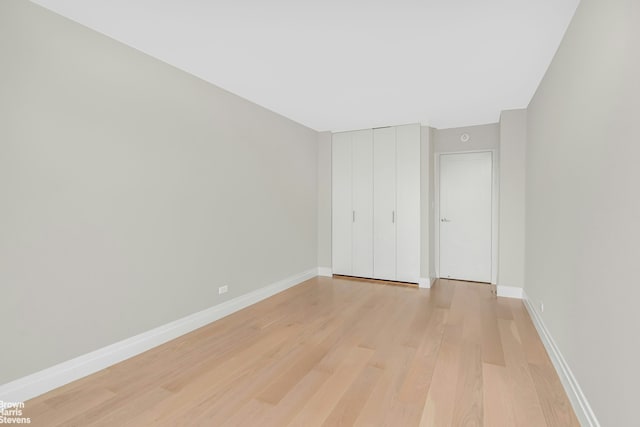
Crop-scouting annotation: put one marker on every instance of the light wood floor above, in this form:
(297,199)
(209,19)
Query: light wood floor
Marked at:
(334,352)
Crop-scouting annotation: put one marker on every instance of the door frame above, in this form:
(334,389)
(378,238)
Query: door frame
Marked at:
(495,189)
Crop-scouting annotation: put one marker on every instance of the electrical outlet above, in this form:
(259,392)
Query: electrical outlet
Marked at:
(222,289)
(541,307)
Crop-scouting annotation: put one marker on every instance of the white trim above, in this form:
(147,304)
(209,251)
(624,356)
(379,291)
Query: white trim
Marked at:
(425,282)
(495,197)
(581,406)
(509,291)
(56,376)
(325,271)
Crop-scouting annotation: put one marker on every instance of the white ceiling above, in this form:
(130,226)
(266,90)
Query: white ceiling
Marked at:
(349,64)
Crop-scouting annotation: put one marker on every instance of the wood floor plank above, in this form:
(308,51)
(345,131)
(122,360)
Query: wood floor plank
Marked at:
(214,382)
(469,405)
(390,410)
(282,413)
(440,402)
(219,411)
(418,380)
(61,409)
(498,405)
(315,351)
(555,404)
(394,354)
(323,401)
(532,346)
(334,352)
(348,408)
(492,351)
(528,411)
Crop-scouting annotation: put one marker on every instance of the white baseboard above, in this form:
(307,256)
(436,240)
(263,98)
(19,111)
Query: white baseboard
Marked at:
(425,282)
(56,376)
(581,406)
(509,291)
(325,272)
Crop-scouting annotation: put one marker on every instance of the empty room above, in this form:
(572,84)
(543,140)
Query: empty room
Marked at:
(319,213)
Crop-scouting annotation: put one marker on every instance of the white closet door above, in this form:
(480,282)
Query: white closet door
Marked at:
(362,254)
(341,200)
(384,203)
(408,203)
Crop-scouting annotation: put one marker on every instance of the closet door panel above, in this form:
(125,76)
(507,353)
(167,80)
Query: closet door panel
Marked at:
(408,203)
(341,201)
(384,199)
(362,249)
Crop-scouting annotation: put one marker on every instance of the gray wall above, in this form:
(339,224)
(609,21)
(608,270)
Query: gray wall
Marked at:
(324,199)
(131,190)
(583,204)
(426,165)
(513,138)
(482,137)
(432,194)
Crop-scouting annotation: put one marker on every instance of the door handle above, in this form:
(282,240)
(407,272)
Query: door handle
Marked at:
(445,220)
(354,216)
(393,217)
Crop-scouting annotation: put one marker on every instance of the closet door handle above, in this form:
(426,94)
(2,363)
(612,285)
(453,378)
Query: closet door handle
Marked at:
(353,214)
(393,217)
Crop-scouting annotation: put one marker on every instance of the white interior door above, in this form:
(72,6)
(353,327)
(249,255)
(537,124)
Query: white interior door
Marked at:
(408,203)
(465,216)
(341,200)
(384,203)
(362,216)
